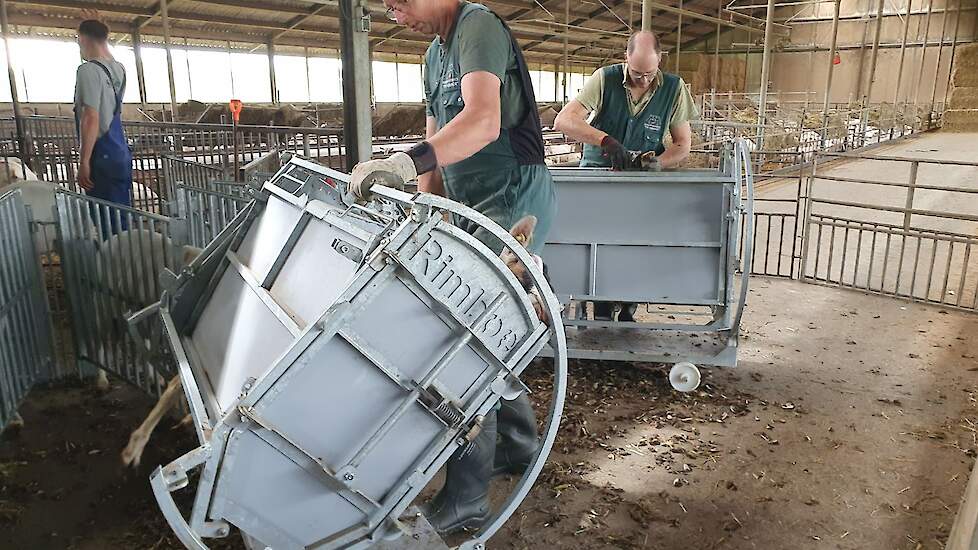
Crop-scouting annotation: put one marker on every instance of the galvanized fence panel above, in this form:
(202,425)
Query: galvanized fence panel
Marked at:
(776,242)
(209,211)
(25,337)
(48,249)
(52,149)
(191,173)
(911,237)
(112,257)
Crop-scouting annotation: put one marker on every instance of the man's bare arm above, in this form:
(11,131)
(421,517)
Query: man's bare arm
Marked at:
(89,134)
(476,126)
(682,141)
(572,121)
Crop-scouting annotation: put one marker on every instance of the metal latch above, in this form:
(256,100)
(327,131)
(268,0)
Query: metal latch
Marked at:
(347,250)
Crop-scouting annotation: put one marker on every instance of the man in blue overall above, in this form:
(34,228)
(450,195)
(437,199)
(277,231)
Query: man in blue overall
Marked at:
(105,164)
(633,103)
(483,149)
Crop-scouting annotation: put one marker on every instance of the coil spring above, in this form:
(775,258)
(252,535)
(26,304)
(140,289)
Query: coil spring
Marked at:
(448,413)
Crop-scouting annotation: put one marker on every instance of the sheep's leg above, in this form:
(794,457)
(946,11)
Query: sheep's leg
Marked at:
(133,452)
(102,381)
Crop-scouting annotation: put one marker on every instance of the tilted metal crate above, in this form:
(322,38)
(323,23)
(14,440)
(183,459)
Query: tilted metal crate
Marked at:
(334,357)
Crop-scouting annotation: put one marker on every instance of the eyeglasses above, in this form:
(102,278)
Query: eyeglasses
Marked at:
(634,75)
(394,5)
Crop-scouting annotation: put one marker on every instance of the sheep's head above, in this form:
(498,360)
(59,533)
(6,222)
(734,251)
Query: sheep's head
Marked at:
(522,231)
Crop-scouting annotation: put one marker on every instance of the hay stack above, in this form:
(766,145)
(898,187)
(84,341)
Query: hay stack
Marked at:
(962,113)
(697,70)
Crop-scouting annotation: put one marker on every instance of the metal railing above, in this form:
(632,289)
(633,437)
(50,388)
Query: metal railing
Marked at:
(112,257)
(25,335)
(177,171)
(52,149)
(209,211)
(794,136)
(890,243)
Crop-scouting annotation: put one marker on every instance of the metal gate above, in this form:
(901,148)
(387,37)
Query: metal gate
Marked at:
(25,335)
(209,210)
(909,237)
(177,171)
(112,257)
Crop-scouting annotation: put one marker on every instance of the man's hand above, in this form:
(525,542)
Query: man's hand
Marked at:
(85,176)
(645,161)
(393,171)
(612,150)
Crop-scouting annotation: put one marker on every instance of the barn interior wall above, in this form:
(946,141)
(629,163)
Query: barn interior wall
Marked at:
(801,71)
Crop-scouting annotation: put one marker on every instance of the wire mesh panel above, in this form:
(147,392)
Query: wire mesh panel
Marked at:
(112,258)
(25,339)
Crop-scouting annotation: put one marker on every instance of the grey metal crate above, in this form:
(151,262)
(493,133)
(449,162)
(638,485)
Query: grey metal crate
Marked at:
(658,238)
(335,356)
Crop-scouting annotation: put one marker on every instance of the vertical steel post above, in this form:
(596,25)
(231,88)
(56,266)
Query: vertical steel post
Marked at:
(566,30)
(11,76)
(923,60)
(646,15)
(355,53)
(954,47)
(164,14)
(679,36)
(271,71)
(828,79)
(765,71)
(137,50)
(899,78)
(875,55)
(937,66)
(716,50)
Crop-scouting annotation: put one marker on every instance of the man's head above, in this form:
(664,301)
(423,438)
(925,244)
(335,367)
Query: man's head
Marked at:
(424,16)
(93,38)
(642,57)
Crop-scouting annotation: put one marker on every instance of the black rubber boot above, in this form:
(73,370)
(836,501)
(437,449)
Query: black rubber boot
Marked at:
(627,313)
(518,441)
(463,502)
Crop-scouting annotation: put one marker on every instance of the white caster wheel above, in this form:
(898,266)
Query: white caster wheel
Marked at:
(684,377)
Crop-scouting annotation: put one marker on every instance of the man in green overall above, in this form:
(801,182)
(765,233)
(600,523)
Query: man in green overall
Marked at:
(633,104)
(484,149)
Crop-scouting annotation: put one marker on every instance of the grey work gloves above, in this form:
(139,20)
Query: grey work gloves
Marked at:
(393,171)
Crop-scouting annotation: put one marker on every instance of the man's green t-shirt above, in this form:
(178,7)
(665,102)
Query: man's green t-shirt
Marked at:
(483,45)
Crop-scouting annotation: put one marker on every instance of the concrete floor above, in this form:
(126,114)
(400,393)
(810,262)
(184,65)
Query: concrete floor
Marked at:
(864,256)
(849,423)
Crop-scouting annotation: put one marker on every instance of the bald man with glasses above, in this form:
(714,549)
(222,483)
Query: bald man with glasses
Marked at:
(631,105)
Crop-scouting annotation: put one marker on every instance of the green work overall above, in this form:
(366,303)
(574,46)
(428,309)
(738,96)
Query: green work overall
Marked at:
(507,179)
(642,132)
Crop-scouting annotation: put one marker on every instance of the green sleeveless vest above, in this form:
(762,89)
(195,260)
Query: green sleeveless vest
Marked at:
(643,132)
